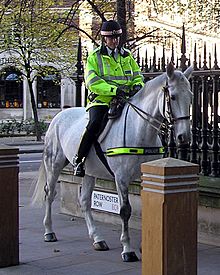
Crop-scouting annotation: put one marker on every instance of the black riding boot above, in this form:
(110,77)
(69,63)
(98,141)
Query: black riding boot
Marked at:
(79,159)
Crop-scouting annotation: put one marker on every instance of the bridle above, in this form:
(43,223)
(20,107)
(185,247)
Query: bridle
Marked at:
(170,120)
(168,114)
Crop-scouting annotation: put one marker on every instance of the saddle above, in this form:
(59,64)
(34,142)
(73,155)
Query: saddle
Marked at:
(117,104)
(116,107)
(115,111)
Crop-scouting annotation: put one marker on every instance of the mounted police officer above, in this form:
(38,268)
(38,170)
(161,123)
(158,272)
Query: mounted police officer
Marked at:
(110,72)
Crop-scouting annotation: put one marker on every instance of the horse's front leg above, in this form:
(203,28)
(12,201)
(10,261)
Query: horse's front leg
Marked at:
(85,203)
(125,213)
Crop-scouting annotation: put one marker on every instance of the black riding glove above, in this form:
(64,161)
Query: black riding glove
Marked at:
(120,92)
(134,90)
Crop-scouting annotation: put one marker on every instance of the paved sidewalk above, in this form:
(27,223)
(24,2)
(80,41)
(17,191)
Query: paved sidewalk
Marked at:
(73,253)
(26,144)
(20,140)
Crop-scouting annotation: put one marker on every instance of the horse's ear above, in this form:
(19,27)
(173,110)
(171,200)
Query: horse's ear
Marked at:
(188,72)
(170,70)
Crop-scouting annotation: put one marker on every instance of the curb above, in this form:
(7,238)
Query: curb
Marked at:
(24,143)
(25,151)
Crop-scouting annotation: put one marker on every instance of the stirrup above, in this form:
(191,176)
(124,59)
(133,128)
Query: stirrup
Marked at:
(79,170)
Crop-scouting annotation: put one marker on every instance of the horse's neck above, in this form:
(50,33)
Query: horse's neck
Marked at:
(147,100)
(141,129)
(131,127)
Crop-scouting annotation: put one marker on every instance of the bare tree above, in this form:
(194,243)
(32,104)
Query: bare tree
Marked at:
(121,17)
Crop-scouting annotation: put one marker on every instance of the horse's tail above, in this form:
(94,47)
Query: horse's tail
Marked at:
(38,196)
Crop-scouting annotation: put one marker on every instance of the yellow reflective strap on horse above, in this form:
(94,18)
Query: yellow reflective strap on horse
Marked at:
(134,151)
(124,150)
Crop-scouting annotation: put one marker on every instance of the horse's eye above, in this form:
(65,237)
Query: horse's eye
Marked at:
(172,97)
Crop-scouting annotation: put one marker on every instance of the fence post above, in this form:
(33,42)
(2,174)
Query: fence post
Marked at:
(169,217)
(183,58)
(9,232)
(79,75)
(215,145)
(194,140)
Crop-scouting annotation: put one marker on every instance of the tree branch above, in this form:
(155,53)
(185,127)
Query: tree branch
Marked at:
(77,28)
(96,10)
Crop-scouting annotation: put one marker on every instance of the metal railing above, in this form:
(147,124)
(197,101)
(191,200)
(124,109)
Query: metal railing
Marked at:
(205,112)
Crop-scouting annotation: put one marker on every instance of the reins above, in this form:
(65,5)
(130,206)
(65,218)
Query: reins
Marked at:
(141,113)
(170,119)
(167,114)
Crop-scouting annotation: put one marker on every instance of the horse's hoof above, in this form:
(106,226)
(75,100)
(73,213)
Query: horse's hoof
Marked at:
(129,257)
(50,237)
(101,246)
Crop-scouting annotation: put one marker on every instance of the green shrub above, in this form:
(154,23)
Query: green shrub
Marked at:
(12,127)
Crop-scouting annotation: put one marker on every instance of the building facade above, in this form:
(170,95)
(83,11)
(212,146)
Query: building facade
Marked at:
(52,93)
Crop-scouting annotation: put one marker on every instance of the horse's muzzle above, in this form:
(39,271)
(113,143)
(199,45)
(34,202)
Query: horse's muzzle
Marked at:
(183,141)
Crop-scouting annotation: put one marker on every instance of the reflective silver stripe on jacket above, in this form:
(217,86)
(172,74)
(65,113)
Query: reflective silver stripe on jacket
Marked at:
(100,64)
(90,72)
(94,79)
(112,78)
(137,73)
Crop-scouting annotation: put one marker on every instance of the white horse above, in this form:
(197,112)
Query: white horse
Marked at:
(141,130)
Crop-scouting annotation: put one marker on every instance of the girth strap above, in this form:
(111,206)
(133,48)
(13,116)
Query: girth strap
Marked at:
(125,151)
(102,157)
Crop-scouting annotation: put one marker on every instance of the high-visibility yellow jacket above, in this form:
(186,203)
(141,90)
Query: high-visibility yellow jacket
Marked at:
(104,73)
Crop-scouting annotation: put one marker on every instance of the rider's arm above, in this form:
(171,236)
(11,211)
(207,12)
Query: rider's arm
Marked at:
(94,82)
(138,78)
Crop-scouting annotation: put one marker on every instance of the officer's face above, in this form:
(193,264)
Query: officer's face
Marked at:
(112,41)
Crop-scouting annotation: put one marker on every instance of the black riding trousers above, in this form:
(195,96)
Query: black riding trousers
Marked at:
(97,122)
(97,117)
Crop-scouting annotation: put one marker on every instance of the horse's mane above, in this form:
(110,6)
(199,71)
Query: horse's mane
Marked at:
(156,83)
(152,86)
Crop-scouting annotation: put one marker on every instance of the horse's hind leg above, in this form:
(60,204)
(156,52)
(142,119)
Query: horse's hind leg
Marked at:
(53,166)
(125,213)
(85,203)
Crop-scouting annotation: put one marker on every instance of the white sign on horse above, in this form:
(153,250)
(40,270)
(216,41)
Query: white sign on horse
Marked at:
(105,202)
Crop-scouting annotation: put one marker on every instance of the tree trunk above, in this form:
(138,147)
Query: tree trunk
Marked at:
(34,108)
(121,17)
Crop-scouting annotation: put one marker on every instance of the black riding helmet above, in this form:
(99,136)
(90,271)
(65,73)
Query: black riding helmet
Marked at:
(111,28)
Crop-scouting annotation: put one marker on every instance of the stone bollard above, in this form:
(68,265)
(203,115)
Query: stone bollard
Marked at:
(9,230)
(169,217)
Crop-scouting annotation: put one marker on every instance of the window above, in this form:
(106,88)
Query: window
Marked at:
(48,90)
(11,89)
